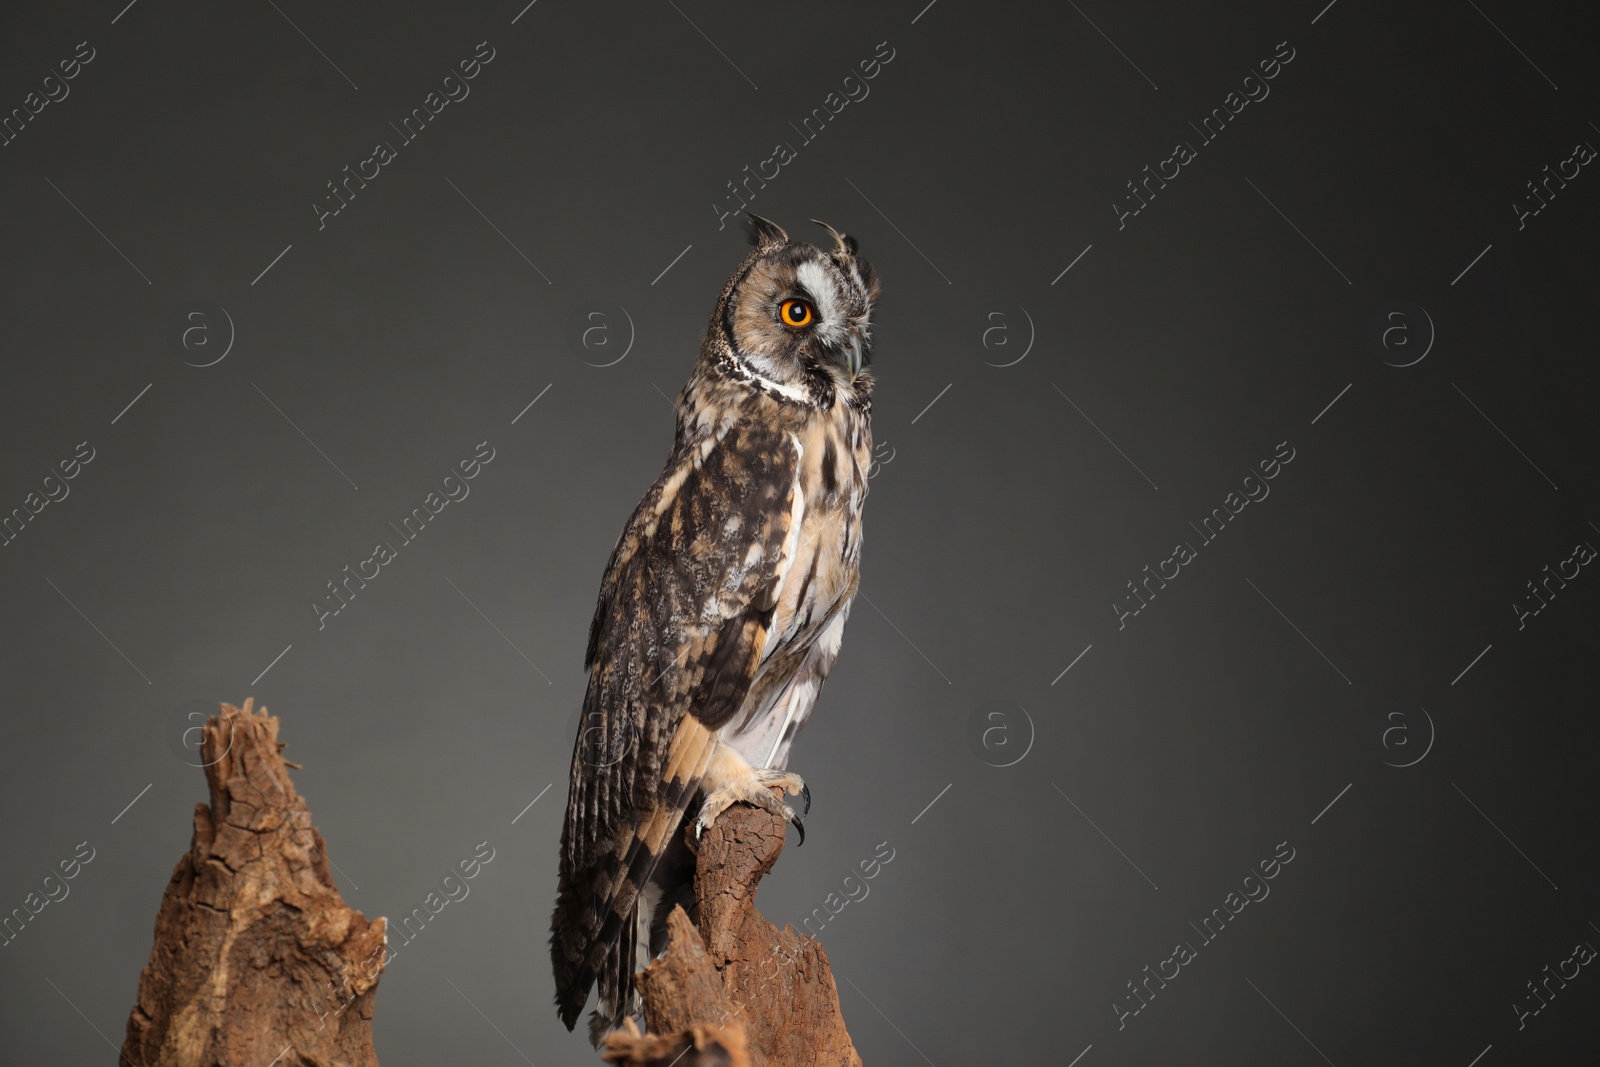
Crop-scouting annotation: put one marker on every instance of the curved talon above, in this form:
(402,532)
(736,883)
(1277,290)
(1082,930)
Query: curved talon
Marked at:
(760,788)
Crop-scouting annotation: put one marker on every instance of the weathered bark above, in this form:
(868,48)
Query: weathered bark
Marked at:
(699,1046)
(738,980)
(257,958)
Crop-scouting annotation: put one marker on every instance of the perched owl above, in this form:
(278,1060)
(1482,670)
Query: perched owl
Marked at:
(722,608)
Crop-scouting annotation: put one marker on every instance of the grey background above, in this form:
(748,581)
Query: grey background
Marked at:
(1000,531)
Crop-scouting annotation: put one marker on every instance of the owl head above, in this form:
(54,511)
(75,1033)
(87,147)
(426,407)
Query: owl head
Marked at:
(795,321)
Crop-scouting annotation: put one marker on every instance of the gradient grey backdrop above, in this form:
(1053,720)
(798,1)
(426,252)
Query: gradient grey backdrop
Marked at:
(1175,753)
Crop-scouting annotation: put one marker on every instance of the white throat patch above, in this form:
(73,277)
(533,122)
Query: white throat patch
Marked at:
(744,365)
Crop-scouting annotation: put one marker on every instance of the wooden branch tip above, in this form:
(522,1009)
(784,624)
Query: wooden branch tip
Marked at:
(257,958)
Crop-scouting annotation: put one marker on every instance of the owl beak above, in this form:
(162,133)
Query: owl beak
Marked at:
(853,357)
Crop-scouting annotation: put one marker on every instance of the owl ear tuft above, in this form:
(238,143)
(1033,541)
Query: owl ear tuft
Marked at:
(764,233)
(843,244)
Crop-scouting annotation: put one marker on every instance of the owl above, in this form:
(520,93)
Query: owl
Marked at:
(721,610)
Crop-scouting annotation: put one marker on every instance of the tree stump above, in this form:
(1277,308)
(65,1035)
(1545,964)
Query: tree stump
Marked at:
(738,991)
(257,961)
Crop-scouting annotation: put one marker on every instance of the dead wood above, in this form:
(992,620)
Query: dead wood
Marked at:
(738,985)
(257,958)
(258,961)
(699,1046)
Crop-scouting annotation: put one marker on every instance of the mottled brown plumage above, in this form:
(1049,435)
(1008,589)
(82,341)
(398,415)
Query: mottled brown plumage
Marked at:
(722,607)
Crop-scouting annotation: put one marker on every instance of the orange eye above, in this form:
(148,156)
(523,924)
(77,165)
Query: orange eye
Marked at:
(795,313)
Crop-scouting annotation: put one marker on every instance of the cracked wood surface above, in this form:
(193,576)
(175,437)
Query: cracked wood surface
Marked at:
(257,958)
(737,991)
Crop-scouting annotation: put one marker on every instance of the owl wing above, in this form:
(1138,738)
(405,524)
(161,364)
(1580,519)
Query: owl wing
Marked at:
(685,610)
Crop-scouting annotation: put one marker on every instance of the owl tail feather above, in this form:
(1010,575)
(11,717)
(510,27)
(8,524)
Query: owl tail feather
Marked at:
(619,998)
(607,943)
(610,959)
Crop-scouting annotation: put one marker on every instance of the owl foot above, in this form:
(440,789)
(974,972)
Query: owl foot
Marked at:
(760,788)
(792,784)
